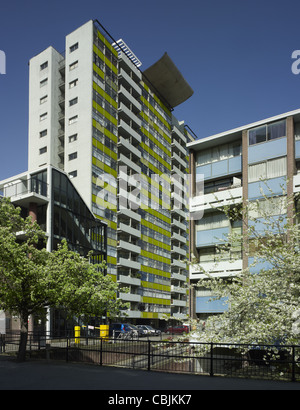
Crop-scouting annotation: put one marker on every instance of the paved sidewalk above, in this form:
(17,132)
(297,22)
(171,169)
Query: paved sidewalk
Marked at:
(42,375)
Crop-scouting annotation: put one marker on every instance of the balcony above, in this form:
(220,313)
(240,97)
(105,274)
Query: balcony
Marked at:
(177,146)
(229,196)
(178,237)
(125,212)
(129,263)
(177,249)
(130,115)
(131,231)
(178,276)
(130,297)
(216,269)
(133,314)
(129,247)
(124,161)
(125,77)
(178,224)
(126,146)
(178,160)
(128,280)
(176,302)
(23,191)
(296,183)
(125,95)
(178,263)
(178,289)
(126,129)
(179,133)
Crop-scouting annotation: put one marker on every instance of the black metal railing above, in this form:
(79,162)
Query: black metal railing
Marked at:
(32,185)
(213,359)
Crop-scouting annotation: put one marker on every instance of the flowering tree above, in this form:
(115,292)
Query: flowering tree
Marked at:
(32,279)
(263,300)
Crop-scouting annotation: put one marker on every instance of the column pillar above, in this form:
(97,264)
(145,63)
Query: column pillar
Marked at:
(245,195)
(291,164)
(33,211)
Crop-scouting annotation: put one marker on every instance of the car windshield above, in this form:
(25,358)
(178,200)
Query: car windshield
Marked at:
(149,327)
(133,327)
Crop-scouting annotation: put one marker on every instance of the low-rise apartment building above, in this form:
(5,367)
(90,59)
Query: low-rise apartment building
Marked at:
(237,166)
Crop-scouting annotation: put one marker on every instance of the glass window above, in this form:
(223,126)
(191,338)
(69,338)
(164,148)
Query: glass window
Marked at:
(257,135)
(257,172)
(73,83)
(73,65)
(43,99)
(44,82)
(268,169)
(43,133)
(44,65)
(73,138)
(219,153)
(73,47)
(72,156)
(276,130)
(43,150)
(73,119)
(73,101)
(267,132)
(73,174)
(212,221)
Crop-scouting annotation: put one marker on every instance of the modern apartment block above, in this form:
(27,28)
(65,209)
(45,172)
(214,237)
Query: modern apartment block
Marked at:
(237,166)
(49,197)
(110,127)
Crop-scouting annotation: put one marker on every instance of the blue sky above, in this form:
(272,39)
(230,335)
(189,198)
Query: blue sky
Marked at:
(236,55)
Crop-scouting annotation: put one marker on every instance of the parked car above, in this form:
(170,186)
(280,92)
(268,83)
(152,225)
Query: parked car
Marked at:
(153,331)
(177,329)
(143,329)
(137,331)
(116,328)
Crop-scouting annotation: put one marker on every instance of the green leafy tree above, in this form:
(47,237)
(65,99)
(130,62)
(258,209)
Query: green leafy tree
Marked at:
(261,305)
(32,279)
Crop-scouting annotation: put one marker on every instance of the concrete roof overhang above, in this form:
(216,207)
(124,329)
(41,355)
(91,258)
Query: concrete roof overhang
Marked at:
(168,81)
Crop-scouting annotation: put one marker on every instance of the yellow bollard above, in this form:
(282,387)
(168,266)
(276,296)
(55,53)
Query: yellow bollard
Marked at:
(104,332)
(77,334)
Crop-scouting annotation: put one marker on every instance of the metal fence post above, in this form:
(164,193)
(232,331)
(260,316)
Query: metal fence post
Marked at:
(149,348)
(67,350)
(100,351)
(211,360)
(293,364)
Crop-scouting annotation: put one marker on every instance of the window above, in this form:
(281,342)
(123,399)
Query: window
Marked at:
(43,133)
(73,65)
(73,47)
(267,132)
(73,174)
(43,99)
(212,221)
(43,116)
(73,119)
(72,156)
(268,169)
(268,207)
(44,82)
(73,83)
(44,65)
(73,138)
(219,153)
(73,101)
(43,150)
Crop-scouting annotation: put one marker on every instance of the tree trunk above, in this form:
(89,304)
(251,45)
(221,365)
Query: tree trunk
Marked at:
(23,339)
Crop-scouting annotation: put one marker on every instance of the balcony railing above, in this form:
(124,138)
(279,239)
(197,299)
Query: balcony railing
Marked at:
(23,187)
